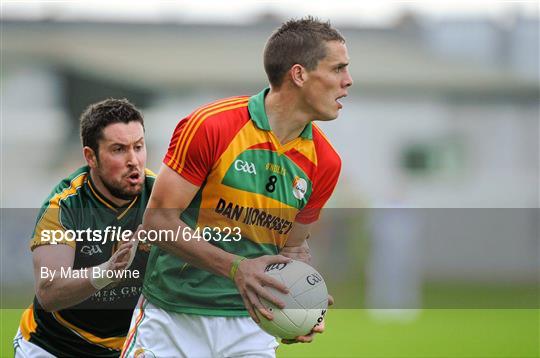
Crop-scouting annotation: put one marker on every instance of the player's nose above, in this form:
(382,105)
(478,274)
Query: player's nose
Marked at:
(347,81)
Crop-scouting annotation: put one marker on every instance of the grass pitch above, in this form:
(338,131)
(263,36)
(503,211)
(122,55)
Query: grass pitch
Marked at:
(433,333)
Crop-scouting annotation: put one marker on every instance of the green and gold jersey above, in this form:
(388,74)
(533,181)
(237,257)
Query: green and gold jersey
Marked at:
(98,326)
(249,184)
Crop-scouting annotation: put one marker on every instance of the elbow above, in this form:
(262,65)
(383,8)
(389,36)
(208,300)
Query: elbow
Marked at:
(159,218)
(43,295)
(45,303)
(150,219)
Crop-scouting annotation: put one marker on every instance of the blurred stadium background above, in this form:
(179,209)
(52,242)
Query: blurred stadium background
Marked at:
(431,242)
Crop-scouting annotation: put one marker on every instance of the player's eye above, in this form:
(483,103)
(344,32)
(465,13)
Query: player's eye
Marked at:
(340,68)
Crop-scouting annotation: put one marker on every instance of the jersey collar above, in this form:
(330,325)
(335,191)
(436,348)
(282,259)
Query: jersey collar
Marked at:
(108,203)
(258,114)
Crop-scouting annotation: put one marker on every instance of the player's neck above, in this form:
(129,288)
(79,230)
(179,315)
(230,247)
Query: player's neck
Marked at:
(103,191)
(284,117)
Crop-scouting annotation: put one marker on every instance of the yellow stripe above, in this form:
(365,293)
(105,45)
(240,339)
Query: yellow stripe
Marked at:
(149,173)
(75,184)
(188,130)
(194,118)
(180,165)
(50,220)
(127,209)
(109,342)
(28,324)
(193,123)
(307,149)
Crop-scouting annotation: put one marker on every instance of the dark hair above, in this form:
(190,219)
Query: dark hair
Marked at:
(99,115)
(301,42)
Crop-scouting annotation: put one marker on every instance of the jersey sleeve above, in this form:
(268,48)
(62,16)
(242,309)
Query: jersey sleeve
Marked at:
(53,221)
(191,149)
(326,178)
(200,139)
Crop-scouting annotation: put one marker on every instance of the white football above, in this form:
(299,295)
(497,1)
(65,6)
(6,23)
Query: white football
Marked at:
(305,304)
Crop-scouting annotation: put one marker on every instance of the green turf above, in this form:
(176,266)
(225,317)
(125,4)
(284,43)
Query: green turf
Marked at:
(9,322)
(434,333)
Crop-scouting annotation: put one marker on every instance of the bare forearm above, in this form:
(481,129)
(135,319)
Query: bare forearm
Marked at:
(296,246)
(63,292)
(196,252)
(299,252)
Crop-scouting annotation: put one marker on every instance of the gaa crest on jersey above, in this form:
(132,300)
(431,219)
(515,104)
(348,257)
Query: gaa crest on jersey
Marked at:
(299,187)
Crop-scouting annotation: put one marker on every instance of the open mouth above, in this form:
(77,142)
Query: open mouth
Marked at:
(338,102)
(134,177)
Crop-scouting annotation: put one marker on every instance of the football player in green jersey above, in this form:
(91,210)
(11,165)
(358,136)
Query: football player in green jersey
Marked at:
(86,288)
(257,166)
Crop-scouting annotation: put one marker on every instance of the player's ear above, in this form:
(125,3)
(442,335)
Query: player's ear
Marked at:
(91,157)
(298,75)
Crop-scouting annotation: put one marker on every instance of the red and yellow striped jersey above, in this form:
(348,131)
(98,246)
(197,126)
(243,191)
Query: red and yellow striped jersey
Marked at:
(248,180)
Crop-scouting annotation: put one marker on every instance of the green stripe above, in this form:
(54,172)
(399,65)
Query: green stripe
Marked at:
(252,171)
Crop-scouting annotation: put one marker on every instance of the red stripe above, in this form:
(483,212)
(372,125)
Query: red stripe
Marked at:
(303,162)
(139,319)
(266,146)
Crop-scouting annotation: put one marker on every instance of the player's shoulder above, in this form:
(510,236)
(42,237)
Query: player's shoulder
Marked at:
(149,174)
(327,155)
(150,177)
(70,185)
(220,113)
(67,192)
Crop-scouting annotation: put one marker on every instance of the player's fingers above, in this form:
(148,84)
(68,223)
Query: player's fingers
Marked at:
(267,280)
(249,308)
(122,262)
(319,327)
(257,305)
(117,266)
(305,339)
(122,250)
(300,339)
(121,258)
(276,259)
(330,300)
(288,341)
(262,292)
